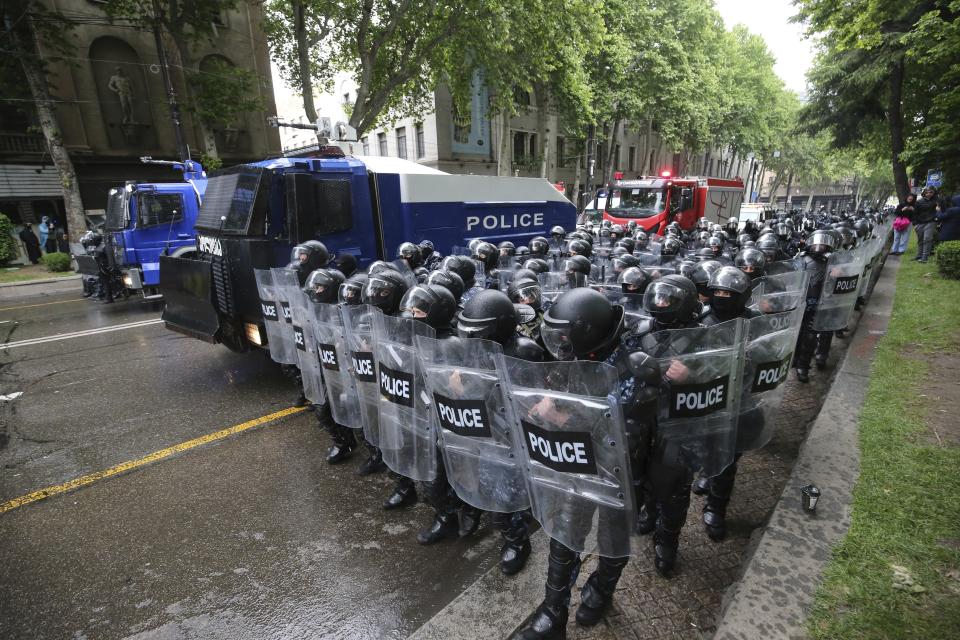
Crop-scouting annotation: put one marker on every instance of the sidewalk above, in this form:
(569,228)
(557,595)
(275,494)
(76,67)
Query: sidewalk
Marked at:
(42,287)
(647,606)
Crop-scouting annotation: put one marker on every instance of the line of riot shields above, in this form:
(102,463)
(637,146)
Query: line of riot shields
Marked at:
(550,437)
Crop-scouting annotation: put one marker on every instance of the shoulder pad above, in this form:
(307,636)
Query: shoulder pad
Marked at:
(644,368)
(525,349)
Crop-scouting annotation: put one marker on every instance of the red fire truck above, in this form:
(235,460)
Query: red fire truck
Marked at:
(653,203)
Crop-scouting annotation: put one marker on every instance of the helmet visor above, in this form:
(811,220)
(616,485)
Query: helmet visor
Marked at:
(476,327)
(557,339)
(529,294)
(416,303)
(663,296)
(350,293)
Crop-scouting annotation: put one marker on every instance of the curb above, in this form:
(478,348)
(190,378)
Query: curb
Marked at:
(39,287)
(773,596)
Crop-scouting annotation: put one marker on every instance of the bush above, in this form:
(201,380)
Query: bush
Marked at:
(56,261)
(8,244)
(948,258)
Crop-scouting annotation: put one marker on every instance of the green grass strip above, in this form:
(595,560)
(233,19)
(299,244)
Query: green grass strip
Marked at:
(906,504)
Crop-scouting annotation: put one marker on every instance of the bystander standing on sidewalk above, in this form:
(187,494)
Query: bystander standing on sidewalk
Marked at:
(901,225)
(925,222)
(949,220)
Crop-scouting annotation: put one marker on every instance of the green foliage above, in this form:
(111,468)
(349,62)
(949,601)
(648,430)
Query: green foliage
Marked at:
(210,163)
(905,510)
(221,92)
(948,258)
(56,261)
(8,244)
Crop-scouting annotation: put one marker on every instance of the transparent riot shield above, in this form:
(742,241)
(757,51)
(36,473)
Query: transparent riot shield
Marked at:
(305,343)
(771,339)
(358,326)
(473,425)
(779,293)
(840,285)
(569,433)
(552,284)
(281,350)
(334,356)
(408,440)
(287,286)
(697,413)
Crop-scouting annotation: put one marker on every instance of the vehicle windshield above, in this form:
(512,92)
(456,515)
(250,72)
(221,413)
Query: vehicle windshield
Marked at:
(115,218)
(638,203)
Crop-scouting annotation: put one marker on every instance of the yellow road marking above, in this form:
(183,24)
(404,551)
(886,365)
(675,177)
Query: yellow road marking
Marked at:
(41,304)
(83,481)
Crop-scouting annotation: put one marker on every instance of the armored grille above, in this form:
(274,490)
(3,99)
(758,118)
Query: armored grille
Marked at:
(222,286)
(334,206)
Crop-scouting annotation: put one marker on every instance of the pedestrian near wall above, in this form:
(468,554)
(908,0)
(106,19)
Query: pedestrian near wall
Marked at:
(949,220)
(902,223)
(925,222)
(43,230)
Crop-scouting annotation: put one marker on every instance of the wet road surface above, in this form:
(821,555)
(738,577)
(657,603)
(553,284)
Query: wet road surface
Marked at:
(253,536)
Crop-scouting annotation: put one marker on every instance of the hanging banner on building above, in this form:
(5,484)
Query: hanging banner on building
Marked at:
(470,131)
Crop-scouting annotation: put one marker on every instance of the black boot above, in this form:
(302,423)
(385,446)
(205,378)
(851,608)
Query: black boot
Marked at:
(549,621)
(597,593)
(373,464)
(444,526)
(647,519)
(666,543)
(715,508)
(702,486)
(469,520)
(516,541)
(666,537)
(803,375)
(404,493)
(821,363)
(343,444)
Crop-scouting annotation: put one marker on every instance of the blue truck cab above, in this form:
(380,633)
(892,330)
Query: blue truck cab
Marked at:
(252,216)
(145,220)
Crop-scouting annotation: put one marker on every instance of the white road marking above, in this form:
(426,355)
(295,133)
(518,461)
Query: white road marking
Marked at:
(81,334)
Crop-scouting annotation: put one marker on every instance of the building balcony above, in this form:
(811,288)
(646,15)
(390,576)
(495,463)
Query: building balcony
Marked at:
(22,143)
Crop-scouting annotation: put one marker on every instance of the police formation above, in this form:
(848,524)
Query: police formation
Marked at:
(583,381)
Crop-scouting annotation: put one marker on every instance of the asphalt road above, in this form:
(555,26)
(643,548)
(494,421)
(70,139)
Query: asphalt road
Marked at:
(251,536)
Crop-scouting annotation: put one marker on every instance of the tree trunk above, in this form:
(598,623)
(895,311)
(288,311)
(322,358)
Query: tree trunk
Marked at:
(40,91)
(645,154)
(788,203)
(303,59)
(543,102)
(895,119)
(503,156)
(609,165)
(576,186)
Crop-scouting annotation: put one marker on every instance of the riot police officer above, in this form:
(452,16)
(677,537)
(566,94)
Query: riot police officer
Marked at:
(431,259)
(820,245)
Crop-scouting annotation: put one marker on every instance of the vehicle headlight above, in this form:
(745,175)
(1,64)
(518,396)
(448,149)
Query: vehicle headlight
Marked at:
(127,281)
(253,333)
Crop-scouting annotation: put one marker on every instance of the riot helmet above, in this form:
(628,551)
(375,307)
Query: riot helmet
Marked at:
(448,279)
(426,248)
(821,244)
(624,262)
(769,246)
(351,291)
(783,231)
(703,237)
(463,267)
(323,285)
(421,274)
(507,249)
(577,264)
(526,291)
(743,238)
(429,303)
(701,276)
(715,245)
(379,266)
(686,268)
(487,254)
(672,300)
(345,263)
(411,253)
(522,251)
(631,226)
(733,225)
(558,233)
(642,239)
(473,244)
(310,255)
(633,280)
(616,232)
(848,239)
(579,322)
(384,290)
(489,315)
(91,240)
(618,250)
(730,289)
(628,243)
(539,246)
(703,224)
(752,262)
(537,265)
(580,247)
(671,247)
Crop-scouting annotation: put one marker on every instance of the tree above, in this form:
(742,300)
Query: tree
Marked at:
(25,25)
(864,73)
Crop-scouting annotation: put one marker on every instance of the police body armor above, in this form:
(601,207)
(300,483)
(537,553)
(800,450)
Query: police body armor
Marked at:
(335,359)
(697,415)
(281,350)
(286,286)
(839,295)
(305,344)
(408,439)
(470,409)
(358,326)
(569,432)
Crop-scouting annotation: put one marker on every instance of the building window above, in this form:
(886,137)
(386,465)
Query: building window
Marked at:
(382,143)
(519,144)
(418,132)
(521,97)
(631,158)
(401,142)
(561,152)
(346,98)
(534,151)
(365,141)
